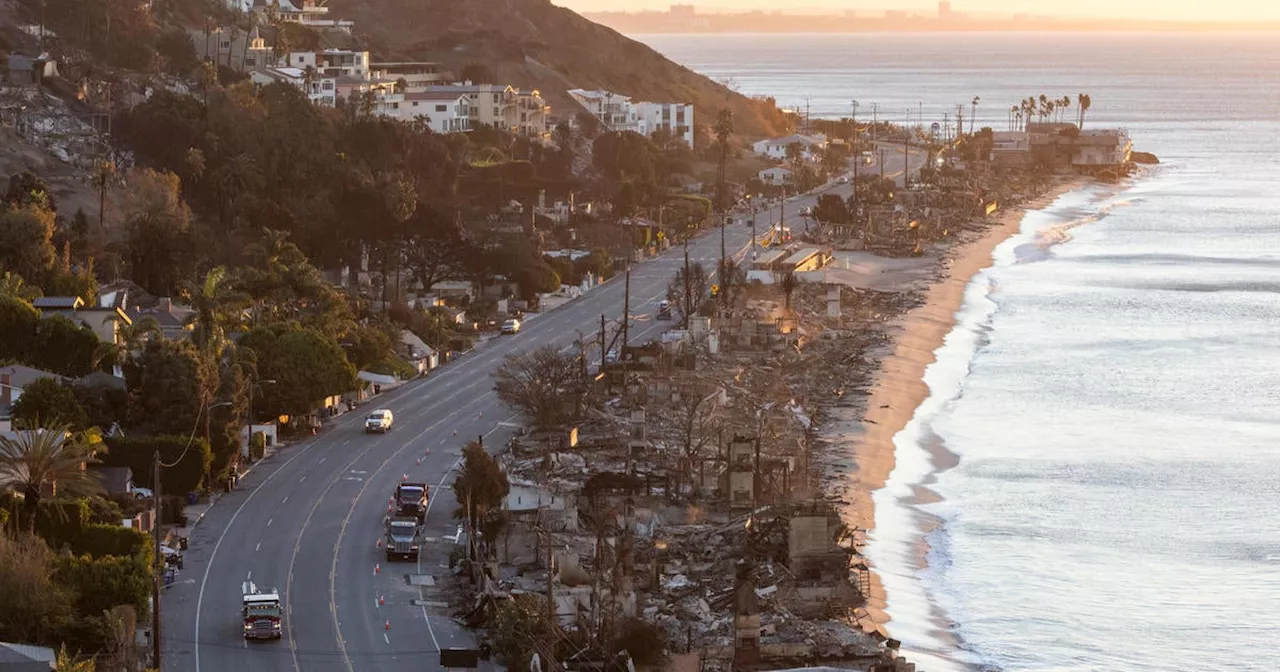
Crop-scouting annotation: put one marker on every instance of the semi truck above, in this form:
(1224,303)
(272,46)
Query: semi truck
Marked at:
(411,501)
(403,538)
(261,611)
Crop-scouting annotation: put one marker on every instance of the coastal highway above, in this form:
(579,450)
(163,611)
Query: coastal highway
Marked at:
(307,519)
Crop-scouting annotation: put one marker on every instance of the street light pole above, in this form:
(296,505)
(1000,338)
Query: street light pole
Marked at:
(158,561)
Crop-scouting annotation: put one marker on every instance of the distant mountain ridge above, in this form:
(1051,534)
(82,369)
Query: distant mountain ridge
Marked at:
(535,44)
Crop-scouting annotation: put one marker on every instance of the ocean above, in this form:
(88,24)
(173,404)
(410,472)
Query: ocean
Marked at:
(1109,392)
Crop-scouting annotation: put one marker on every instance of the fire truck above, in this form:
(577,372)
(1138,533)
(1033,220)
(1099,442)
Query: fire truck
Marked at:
(261,612)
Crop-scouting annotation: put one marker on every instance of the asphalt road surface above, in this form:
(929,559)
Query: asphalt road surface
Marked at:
(307,520)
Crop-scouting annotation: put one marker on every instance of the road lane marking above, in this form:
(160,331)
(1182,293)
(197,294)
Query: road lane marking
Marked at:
(321,461)
(218,544)
(269,521)
(347,519)
(388,639)
(249,576)
(286,498)
(304,477)
(258,547)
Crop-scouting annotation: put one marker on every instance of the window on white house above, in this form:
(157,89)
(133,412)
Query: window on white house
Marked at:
(442,108)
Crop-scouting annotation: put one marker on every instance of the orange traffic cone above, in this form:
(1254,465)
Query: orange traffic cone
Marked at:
(379,544)
(377,569)
(455,432)
(381,601)
(386,625)
(428,451)
(405,477)
(419,460)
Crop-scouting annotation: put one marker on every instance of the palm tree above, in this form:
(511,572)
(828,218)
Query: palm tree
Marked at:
(1064,104)
(1085,103)
(129,338)
(210,299)
(789,284)
(104,174)
(973,114)
(723,129)
(233,179)
(33,460)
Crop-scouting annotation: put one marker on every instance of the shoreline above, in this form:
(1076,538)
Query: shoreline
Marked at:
(864,438)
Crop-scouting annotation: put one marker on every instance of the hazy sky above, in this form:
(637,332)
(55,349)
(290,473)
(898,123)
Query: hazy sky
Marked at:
(1177,10)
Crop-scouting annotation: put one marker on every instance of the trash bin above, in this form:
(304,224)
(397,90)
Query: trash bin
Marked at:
(192,498)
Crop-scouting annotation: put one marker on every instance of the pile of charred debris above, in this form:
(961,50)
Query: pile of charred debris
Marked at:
(686,497)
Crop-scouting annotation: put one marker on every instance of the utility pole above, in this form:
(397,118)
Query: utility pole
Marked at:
(158,561)
(875,120)
(857,156)
(603,345)
(687,308)
(723,275)
(753,227)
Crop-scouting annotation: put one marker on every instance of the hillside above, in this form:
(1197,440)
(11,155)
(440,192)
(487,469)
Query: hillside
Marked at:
(535,44)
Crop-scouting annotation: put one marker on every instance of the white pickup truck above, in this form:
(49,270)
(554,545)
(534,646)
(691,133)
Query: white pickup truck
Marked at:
(378,421)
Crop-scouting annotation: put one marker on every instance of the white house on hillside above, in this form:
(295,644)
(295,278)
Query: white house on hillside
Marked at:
(617,113)
(676,118)
(321,90)
(776,176)
(776,148)
(443,112)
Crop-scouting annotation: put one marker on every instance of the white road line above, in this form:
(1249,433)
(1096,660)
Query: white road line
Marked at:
(269,521)
(258,547)
(249,577)
(304,477)
(321,461)
(347,519)
(286,498)
(386,638)
(209,567)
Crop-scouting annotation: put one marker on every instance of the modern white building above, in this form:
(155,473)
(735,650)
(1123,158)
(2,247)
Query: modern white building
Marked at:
(522,112)
(776,148)
(616,112)
(417,75)
(441,111)
(321,89)
(675,118)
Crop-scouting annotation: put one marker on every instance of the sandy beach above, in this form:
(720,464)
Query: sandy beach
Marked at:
(899,388)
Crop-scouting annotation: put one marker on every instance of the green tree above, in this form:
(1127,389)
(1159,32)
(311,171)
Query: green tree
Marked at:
(158,226)
(306,365)
(214,301)
(32,460)
(26,240)
(63,347)
(18,320)
(168,384)
(37,607)
(105,582)
(27,189)
(47,403)
(178,51)
(481,485)
(190,459)
(368,345)
(13,286)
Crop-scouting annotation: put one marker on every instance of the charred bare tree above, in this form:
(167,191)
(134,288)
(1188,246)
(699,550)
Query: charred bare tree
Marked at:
(544,384)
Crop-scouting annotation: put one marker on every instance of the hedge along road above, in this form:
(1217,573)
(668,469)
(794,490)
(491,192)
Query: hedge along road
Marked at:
(307,519)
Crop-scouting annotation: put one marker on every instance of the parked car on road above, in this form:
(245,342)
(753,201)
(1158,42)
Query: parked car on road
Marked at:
(378,421)
(511,326)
